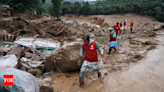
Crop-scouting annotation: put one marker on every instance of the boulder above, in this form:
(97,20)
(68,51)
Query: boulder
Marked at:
(143,41)
(65,57)
(45,85)
(157,27)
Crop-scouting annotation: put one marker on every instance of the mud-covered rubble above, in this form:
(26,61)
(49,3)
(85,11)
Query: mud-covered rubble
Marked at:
(95,20)
(132,47)
(44,29)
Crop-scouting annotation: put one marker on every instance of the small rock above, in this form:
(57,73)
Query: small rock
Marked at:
(105,73)
(92,35)
(35,72)
(46,88)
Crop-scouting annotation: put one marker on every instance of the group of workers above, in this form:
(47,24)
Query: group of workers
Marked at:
(90,46)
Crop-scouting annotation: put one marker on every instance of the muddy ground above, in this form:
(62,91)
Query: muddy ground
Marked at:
(135,66)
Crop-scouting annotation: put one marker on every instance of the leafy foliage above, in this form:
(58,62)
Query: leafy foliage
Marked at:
(154,8)
(56,6)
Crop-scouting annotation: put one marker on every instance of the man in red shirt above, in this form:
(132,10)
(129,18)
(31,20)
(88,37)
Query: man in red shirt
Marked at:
(121,27)
(116,28)
(90,63)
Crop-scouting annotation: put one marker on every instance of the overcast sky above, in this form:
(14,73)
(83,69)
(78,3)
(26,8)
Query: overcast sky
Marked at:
(90,0)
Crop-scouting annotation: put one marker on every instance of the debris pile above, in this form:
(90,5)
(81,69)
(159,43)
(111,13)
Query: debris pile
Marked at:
(46,29)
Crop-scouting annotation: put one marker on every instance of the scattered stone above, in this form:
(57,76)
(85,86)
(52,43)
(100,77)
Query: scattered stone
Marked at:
(151,47)
(105,73)
(92,36)
(150,43)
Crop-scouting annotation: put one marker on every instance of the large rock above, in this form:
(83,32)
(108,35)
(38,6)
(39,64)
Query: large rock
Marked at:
(65,57)
(159,26)
(143,41)
(45,84)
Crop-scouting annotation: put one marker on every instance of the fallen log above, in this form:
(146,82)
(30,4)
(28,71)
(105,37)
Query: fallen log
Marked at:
(18,31)
(27,21)
(60,31)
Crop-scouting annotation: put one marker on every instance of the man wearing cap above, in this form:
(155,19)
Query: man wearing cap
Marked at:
(90,63)
(112,39)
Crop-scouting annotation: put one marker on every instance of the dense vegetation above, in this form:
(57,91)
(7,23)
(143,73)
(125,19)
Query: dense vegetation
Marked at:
(29,6)
(154,8)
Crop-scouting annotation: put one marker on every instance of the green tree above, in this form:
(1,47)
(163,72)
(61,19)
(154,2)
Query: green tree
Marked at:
(158,11)
(56,6)
(43,1)
(85,8)
(77,7)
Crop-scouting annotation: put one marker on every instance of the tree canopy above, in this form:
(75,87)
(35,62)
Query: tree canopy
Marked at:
(154,8)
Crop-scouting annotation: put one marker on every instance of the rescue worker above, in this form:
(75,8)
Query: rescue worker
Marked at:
(92,28)
(112,39)
(124,25)
(121,28)
(66,23)
(131,26)
(74,23)
(90,63)
(116,28)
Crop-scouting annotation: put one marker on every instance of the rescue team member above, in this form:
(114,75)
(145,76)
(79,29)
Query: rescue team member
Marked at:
(121,28)
(116,28)
(124,25)
(112,40)
(92,28)
(131,26)
(90,63)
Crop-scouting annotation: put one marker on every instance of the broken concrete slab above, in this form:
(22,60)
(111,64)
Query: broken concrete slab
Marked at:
(39,42)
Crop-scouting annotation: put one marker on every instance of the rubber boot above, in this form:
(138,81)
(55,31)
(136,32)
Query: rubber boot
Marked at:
(109,50)
(115,49)
(99,74)
(81,81)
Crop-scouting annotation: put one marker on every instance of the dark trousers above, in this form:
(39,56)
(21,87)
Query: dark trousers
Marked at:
(131,29)
(110,49)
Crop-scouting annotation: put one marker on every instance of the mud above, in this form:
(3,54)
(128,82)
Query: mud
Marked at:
(128,69)
(133,67)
